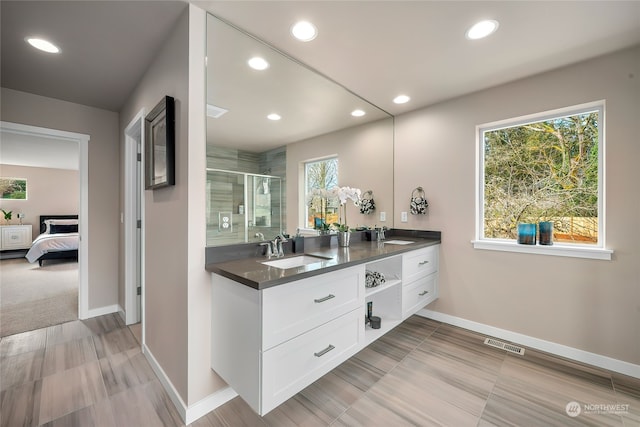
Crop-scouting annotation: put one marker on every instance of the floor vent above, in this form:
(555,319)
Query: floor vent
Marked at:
(505,346)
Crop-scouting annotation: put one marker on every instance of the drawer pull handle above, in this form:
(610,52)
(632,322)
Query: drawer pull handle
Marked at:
(327,298)
(423,293)
(423,262)
(323,352)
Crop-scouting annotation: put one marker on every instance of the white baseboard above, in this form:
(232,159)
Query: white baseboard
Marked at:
(594,359)
(100,311)
(191,413)
(209,403)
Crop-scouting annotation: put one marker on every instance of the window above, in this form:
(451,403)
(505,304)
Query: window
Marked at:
(319,177)
(544,167)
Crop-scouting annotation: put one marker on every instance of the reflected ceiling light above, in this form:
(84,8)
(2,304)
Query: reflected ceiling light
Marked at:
(357,113)
(482,29)
(43,45)
(274,116)
(304,31)
(401,99)
(258,63)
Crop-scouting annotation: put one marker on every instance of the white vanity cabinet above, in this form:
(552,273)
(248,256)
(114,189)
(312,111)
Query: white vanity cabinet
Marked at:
(15,237)
(270,344)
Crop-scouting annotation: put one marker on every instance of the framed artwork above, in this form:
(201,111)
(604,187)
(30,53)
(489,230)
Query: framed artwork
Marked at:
(13,188)
(160,145)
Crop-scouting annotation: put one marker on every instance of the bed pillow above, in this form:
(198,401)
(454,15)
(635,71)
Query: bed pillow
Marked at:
(63,228)
(48,223)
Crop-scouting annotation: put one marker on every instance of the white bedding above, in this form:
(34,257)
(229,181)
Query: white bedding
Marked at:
(46,243)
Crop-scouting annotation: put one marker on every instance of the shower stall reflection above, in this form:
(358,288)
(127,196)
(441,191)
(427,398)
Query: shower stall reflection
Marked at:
(242,207)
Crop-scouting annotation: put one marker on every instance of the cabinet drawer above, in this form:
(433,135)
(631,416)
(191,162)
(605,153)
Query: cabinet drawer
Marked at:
(418,294)
(289,367)
(291,309)
(419,263)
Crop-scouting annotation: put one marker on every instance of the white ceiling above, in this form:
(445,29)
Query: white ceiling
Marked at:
(377,49)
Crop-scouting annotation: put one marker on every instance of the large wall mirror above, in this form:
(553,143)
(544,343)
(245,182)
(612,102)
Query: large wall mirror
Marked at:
(255,160)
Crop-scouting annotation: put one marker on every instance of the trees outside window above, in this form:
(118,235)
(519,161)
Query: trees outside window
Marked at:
(320,177)
(544,168)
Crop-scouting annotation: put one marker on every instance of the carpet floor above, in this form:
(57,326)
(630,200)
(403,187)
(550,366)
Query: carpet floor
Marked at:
(33,297)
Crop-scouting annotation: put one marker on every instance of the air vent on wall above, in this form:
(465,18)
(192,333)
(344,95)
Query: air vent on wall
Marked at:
(505,346)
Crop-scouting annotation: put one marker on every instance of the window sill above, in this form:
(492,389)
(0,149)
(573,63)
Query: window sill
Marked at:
(553,250)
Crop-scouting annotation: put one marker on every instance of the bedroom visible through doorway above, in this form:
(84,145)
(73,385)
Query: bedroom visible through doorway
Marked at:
(56,162)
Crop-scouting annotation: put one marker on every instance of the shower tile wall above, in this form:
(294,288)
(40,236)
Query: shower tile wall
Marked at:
(271,162)
(230,159)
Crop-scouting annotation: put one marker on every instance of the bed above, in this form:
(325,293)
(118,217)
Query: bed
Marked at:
(58,239)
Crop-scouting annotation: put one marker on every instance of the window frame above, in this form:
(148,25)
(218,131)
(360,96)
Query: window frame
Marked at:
(597,251)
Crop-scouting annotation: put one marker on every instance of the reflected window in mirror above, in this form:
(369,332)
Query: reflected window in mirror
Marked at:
(320,176)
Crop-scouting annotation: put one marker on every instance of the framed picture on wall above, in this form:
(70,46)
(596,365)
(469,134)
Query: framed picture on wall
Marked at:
(160,145)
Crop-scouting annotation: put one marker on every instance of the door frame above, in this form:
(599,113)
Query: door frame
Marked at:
(133,194)
(83,215)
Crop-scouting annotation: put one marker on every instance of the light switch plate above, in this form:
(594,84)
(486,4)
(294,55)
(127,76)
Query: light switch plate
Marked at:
(403,217)
(383,216)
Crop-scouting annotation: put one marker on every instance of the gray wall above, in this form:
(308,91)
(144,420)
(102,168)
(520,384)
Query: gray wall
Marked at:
(177,304)
(165,225)
(586,304)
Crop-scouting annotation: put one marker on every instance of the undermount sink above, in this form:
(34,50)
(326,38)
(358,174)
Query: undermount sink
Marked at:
(398,242)
(296,261)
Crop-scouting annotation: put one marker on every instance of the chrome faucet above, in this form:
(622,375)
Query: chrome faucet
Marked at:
(269,251)
(260,236)
(278,251)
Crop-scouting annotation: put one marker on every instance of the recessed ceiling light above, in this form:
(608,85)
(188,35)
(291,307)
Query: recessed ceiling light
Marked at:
(357,113)
(304,31)
(43,45)
(482,29)
(258,63)
(274,116)
(401,99)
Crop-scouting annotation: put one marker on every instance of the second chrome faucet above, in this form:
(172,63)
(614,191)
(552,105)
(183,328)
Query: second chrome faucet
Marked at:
(274,248)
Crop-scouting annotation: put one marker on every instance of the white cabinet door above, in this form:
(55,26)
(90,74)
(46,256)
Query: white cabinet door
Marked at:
(417,294)
(291,366)
(293,308)
(419,263)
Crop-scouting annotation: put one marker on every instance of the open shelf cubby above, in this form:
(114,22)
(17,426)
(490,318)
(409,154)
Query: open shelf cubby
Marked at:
(387,305)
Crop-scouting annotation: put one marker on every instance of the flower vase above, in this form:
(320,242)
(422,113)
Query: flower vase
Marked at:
(343,238)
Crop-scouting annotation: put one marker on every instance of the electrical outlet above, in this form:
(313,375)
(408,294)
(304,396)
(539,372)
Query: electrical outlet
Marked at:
(383,216)
(403,217)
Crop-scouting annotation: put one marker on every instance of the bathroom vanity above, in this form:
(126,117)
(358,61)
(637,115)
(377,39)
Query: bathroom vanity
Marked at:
(278,325)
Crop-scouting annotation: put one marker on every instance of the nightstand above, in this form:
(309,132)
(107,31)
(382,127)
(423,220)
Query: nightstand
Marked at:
(15,237)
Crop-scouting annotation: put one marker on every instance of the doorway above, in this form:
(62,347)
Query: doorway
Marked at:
(133,214)
(16,130)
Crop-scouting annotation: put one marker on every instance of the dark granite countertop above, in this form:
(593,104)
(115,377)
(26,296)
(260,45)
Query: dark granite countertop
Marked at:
(252,272)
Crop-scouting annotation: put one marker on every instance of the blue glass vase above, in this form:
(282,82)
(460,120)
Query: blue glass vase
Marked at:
(546,233)
(527,234)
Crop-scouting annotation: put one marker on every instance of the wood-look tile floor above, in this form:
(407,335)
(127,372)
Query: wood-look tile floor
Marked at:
(92,373)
